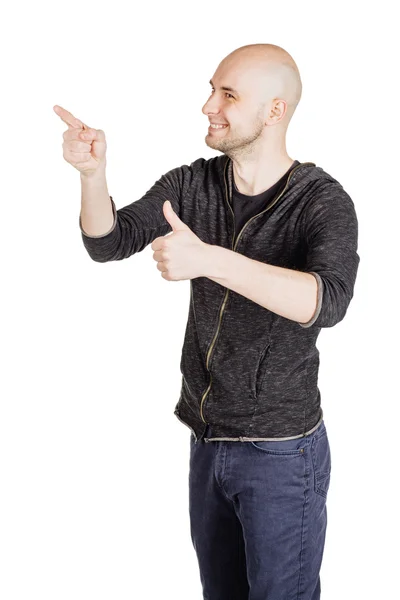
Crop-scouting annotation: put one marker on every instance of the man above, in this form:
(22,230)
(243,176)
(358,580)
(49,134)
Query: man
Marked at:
(269,245)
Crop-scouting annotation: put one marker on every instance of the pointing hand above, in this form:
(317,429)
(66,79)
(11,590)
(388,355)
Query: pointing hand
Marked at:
(84,147)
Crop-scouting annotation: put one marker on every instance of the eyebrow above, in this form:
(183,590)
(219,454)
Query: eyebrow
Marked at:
(226,89)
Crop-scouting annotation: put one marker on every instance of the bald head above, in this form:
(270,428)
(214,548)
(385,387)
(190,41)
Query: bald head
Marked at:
(255,91)
(269,72)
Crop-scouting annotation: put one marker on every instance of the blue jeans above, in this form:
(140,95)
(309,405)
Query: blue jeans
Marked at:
(258,516)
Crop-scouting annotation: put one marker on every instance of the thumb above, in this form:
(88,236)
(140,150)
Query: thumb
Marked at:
(172,217)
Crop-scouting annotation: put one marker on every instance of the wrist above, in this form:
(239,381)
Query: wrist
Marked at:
(211,258)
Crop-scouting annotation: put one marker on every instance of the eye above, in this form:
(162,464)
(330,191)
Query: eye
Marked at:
(227,93)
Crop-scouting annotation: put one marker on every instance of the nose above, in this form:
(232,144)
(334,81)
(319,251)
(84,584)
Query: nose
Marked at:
(210,107)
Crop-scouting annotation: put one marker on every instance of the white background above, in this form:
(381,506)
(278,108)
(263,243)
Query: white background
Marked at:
(93,462)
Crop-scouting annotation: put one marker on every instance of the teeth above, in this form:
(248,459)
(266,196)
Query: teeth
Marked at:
(217,126)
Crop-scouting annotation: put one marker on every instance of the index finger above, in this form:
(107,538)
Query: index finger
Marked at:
(68,117)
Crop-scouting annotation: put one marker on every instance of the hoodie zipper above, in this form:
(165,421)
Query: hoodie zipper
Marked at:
(234,246)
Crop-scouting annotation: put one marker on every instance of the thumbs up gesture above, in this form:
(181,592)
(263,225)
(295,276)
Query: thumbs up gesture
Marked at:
(181,254)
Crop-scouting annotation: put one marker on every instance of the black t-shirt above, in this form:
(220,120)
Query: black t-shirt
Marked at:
(245,207)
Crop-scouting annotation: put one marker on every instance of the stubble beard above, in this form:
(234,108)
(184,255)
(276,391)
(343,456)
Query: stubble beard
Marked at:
(236,147)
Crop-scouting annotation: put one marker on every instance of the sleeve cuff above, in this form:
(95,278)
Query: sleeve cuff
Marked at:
(319,301)
(103,234)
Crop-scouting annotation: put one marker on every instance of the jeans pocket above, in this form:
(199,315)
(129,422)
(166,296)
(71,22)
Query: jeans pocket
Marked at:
(321,460)
(280,447)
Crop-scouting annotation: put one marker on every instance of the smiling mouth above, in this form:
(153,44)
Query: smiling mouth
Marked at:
(217,128)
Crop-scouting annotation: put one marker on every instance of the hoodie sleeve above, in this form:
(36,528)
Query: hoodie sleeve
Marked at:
(331,235)
(137,224)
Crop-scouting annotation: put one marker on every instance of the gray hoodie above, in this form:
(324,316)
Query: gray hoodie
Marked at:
(247,371)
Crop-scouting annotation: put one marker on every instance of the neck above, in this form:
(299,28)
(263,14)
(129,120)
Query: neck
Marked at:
(256,172)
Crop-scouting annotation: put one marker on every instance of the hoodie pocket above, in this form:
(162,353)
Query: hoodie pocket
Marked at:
(262,367)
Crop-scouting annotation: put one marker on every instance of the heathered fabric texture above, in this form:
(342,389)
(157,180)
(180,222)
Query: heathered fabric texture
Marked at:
(245,207)
(248,372)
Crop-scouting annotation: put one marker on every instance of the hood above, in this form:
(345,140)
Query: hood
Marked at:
(300,176)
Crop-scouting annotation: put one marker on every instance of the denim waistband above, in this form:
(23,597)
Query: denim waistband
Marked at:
(320,427)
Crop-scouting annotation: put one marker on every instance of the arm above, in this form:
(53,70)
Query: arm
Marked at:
(319,296)
(137,224)
(286,292)
(97,216)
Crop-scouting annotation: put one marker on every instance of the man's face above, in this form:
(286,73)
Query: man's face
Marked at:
(238,107)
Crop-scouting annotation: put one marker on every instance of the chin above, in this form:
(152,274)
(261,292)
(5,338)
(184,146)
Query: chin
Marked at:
(211,142)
